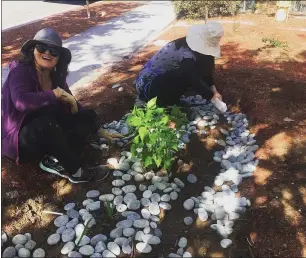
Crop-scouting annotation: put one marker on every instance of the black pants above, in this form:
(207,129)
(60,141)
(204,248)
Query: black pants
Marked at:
(60,135)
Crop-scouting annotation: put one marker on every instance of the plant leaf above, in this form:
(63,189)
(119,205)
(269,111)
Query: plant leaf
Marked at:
(152,103)
(142,132)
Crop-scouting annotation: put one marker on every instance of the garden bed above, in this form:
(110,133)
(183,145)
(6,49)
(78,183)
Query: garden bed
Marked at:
(265,84)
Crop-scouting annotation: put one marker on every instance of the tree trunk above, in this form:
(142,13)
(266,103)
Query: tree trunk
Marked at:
(88,12)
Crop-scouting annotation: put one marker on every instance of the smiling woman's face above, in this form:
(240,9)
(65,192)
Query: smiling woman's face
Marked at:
(45,59)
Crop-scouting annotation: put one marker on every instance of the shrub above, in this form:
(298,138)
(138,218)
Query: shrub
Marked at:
(196,9)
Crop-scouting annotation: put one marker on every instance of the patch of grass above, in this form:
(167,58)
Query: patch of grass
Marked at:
(273,42)
(109,209)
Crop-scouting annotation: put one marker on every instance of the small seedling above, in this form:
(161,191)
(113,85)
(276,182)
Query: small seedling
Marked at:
(109,209)
(272,42)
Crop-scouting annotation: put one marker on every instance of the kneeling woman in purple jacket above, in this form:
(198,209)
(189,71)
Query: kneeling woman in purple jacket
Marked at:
(40,117)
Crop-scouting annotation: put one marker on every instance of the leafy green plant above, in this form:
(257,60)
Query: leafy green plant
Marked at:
(155,142)
(272,42)
(109,209)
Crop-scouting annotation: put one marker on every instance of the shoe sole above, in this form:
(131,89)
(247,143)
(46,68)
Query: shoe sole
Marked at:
(49,170)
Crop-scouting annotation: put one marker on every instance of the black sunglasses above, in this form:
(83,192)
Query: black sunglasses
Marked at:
(43,49)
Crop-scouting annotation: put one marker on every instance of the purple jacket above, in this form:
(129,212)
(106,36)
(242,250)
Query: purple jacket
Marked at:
(21,94)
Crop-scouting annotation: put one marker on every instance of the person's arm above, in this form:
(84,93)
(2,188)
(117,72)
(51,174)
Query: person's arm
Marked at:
(23,93)
(188,66)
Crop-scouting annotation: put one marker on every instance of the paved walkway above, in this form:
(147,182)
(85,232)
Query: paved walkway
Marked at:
(104,45)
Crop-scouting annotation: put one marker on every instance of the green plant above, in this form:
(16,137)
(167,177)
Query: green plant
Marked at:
(272,42)
(85,231)
(155,142)
(109,209)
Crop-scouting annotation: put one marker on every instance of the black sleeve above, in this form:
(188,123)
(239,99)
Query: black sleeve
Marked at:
(189,69)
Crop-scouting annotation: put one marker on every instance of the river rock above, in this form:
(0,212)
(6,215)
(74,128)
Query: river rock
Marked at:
(117,173)
(73,214)
(141,223)
(18,246)
(96,255)
(30,245)
(154,208)
(69,206)
(165,198)
(173,196)
(173,255)
(9,252)
(139,177)
(87,250)
(84,241)
(147,194)
(145,213)
(79,229)
(154,218)
(97,238)
(191,178)
(129,189)
(67,248)
(68,235)
(127,232)
(116,191)
(74,254)
(165,205)
(145,202)
(179,182)
(115,233)
(71,224)
(93,206)
(118,182)
(108,254)
(126,177)
(134,205)
(114,248)
(152,188)
(225,243)
(124,224)
(142,187)
(118,200)
(126,248)
(182,242)
(155,197)
(92,194)
(60,221)
(150,239)
(187,255)
(188,221)
(19,239)
(121,241)
(39,253)
(100,247)
(143,248)
(188,204)
(23,253)
(53,239)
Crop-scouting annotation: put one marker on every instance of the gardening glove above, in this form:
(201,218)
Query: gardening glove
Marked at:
(107,135)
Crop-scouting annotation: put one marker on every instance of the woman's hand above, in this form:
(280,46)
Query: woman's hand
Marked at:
(216,94)
(66,98)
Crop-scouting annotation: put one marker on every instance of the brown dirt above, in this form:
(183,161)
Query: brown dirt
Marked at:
(265,83)
(67,25)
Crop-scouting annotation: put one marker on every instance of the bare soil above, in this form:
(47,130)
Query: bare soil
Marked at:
(268,84)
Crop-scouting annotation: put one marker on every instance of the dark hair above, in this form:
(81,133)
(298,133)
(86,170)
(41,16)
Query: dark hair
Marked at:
(58,75)
(180,42)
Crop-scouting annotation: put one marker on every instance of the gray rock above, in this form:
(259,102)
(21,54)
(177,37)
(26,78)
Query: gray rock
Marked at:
(124,224)
(117,173)
(118,182)
(100,247)
(155,197)
(165,205)
(97,238)
(150,239)
(92,194)
(53,239)
(142,187)
(39,253)
(158,232)
(67,248)
(147,194)
(117,191)
(129,189)
(19,239)
(152,188)
(121,241)
(18,246)
(118,200)
(187,255)
(141,223)
(143,248)
(68,235)
(60,221)
(179,182)
(165,198)
(145,213)
(96,255)
(133,205)
(126,177)
(188,221)
(9,252)
(180,251)
(87,201)
(84,241)
(145,202)
(108,254)
(188,204)
(72,214)
(154,218)
(69,206)
(94,206)
(87,250)
(127,232)
(74,254)
(23,253)
(30,245)
(173,255)
(71,224)
(182,242)
(115,233)
(126,248)
(191,178)
(173,196)
(139,177)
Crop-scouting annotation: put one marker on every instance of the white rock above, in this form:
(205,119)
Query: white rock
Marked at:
(23,252)
(218,181)
(96,255)
(116,191)
(79,229)
(74,254)
(153,225)
(203,216)
(145,213)
(225,243)
(126,177)
(130,214)
(179,182)
(147,194)
(139,177)
(141,223)
(168,190)
(139,235)
(146,230)
(94,206)
(39,253)
(9,252)
(113,162)
(114,248)
(155,197)
(126,248)
(145,202)
(84,241)
(220,213)
(108,254)
(142,187)
(115,233)
(97,238)
(124,224)
(133,205)
(18,246)
(67,248)
(68,235)
(118,200)
(182,242)
(180,251)
(191,178)
(71,224)
(188,204)
(100,247)
(165,198)
(117,173)
(72,214)
(106,197)
(118,182)
(129,189)
(165,205)
(143,248)
(188,221)
(92,194)
(154,208)
(152,188)
(124,166)
(60,221)
(187,255)
(69,206)
(150,239)
(87,250)
(53,239)
(127,232)
(121,241)
(173,196)
(30,245)
(19,239)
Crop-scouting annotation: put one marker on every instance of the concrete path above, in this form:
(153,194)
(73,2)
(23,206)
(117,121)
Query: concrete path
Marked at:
(16,13)
(104,45)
